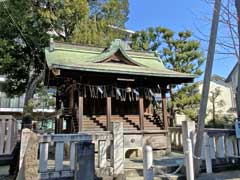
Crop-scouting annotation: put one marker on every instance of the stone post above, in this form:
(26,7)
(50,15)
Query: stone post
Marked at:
(189,160)
(148,162)
(117,161)
(26,133)
(207,152)
(85,161)
(188,131)
(102,154)
(30,164)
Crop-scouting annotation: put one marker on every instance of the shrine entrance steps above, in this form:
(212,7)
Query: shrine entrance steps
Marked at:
(130,122)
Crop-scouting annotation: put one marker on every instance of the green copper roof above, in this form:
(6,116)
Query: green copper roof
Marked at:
(82,58)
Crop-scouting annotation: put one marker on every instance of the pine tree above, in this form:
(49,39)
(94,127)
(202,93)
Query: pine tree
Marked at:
(178,52)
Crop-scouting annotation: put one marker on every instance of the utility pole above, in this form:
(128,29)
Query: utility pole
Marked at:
(206,84)
(237,6)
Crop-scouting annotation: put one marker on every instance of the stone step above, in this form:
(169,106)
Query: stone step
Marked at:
(133,172)
(152,127)
(150,124)
(166,164)
(128,125)
(130,122)
(172,177)
(131,129)
(92,129)
(90,123)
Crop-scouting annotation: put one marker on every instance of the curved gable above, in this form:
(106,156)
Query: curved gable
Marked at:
(118,57)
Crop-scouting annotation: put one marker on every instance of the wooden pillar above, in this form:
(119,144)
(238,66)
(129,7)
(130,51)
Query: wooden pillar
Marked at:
(56,125)
(58,106)
(71,107)
(60,125)
(80,113)
(109,111)
(141,112)
(71,99)
(164,109)
(69,125)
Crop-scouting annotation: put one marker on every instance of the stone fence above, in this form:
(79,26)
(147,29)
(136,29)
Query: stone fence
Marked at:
(8,134)
(222,142)
(52,161)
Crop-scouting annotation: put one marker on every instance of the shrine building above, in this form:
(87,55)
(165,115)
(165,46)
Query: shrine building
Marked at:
(98,85)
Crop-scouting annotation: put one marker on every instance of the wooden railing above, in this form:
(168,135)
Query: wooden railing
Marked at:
(8,134)
(222,142)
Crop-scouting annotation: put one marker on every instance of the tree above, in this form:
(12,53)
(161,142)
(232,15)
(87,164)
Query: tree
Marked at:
(180,53)
(62,16)
(23,37)
(216,104)
(25,29)
(187,101)
(98,33)
(114,12)
(228,42)
(97,28)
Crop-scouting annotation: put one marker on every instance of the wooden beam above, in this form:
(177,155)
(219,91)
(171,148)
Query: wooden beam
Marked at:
(56,72)
(109,111)
(164,109)
(80,113)
(141,112)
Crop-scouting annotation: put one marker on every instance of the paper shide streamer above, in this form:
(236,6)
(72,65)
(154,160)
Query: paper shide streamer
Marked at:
(122,94)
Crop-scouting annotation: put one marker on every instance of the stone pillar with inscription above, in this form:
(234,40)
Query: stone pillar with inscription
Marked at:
(117,149)
(84,161)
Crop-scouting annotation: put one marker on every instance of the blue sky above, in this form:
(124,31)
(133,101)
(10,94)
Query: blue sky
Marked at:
(177,15)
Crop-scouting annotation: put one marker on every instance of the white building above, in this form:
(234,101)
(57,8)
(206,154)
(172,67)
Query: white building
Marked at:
(225,105)
(225,102)
(14,106)
(232,80)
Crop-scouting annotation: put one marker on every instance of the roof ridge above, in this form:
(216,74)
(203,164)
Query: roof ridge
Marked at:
(60,45)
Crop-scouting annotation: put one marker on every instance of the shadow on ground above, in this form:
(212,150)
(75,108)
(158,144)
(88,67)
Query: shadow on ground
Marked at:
(227,175)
